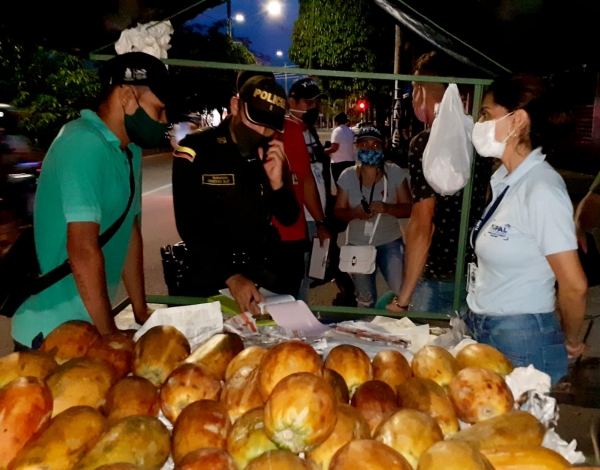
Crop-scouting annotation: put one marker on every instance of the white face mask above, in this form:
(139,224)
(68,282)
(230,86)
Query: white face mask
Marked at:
(484,139)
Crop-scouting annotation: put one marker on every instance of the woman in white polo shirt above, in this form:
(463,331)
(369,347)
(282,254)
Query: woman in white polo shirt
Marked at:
(526,241)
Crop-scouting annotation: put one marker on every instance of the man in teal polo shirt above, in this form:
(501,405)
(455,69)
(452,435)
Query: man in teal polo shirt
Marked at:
(83,189)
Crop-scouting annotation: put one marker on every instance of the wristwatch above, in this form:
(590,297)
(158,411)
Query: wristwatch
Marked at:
(318,223)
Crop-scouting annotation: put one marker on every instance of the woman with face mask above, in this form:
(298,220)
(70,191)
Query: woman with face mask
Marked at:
(371,197)
(525,242)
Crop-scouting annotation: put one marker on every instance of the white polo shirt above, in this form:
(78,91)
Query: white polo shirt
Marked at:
(344,137)
(534,220)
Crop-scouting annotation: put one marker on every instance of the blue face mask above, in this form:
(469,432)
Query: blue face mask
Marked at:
(370,157)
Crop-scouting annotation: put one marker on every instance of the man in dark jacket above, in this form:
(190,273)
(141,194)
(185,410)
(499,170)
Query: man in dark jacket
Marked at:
(227,183)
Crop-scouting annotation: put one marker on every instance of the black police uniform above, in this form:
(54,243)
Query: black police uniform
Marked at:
(223,206)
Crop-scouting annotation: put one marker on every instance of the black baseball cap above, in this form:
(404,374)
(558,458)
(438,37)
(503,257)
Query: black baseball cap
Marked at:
(306,88)
(138,69)
(369,132)
(264,102)
(245,75)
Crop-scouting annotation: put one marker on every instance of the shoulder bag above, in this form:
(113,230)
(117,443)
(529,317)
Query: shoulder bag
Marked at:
(20,273)
(361,259)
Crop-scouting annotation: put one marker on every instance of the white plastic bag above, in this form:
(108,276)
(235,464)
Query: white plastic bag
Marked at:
(449,152)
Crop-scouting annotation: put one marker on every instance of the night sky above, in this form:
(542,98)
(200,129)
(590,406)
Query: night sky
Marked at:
(267,33)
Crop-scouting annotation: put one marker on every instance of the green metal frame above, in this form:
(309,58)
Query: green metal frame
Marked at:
(347,312)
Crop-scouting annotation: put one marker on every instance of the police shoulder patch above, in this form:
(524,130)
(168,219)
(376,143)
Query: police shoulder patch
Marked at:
(185,152)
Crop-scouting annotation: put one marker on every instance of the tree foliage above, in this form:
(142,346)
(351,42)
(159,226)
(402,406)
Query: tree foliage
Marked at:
(344,35)
(49,87)
(197,88)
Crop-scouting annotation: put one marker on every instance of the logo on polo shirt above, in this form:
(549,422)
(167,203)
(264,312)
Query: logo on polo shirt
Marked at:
(499,231)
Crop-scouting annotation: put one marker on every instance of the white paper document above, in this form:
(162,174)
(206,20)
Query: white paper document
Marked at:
(270,297)
(318,259)
(296,316)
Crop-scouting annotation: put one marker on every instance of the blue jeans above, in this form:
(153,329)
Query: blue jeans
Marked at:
(390,258)
(435,297)
(530,338)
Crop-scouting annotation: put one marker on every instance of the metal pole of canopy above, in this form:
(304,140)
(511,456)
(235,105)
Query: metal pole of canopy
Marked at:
(315,72)
(464,215)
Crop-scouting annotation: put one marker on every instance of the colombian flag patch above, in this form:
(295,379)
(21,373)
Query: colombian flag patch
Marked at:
(185,152)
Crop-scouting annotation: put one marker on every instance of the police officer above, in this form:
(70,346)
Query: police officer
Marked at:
(227,183)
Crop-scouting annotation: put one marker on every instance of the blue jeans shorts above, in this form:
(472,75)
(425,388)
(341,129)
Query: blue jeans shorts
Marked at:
(530,338)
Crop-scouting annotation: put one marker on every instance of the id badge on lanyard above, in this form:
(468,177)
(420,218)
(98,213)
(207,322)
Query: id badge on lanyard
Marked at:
(472,277)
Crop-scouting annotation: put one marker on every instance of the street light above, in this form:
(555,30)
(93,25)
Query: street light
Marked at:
(239,18)
(279,54)
(274,8)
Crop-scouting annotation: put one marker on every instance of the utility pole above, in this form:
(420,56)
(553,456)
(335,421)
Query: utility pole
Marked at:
(397,97)
(229,21)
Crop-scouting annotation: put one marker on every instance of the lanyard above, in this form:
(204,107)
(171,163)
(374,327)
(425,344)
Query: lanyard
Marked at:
(481,222)
(372,187)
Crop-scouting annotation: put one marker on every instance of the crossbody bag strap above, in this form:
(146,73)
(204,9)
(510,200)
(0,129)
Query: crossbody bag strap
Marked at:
(379,215)
(62,271)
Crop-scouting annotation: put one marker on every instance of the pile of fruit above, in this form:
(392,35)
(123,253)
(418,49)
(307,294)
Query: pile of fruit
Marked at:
(88,402)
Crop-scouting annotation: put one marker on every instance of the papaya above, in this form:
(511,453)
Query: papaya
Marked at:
(366,454)
(247,439)
(301,412)
(479,394)
(186,384)
(117,350)
(352,363)
(285,359)
(486,357)
(83,381)
(453,455)
(391,367)
(25,409)
(249,357)
(427,396)
(204,423)
(376,401)
(68,436)
(70,340)
(280,459)
(435,363)
(139,440)
(525,458)
(207,459)
(158,352)
(119,466)
(131,396)
(516,428)
(337,382)
(411,433)
(37,364)
(217,352)
(350,425)
(241,393)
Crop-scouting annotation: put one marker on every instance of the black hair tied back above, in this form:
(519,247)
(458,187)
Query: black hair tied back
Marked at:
(552,119)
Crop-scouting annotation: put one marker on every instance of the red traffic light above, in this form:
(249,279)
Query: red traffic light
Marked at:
(362,105)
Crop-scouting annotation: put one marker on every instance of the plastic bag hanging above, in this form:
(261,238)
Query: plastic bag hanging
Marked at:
(448,155)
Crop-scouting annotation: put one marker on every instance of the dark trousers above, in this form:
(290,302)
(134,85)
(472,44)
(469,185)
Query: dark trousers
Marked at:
(338,168)
(20,347)
(289,267)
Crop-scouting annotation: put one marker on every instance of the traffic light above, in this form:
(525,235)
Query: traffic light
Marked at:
(362,106)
